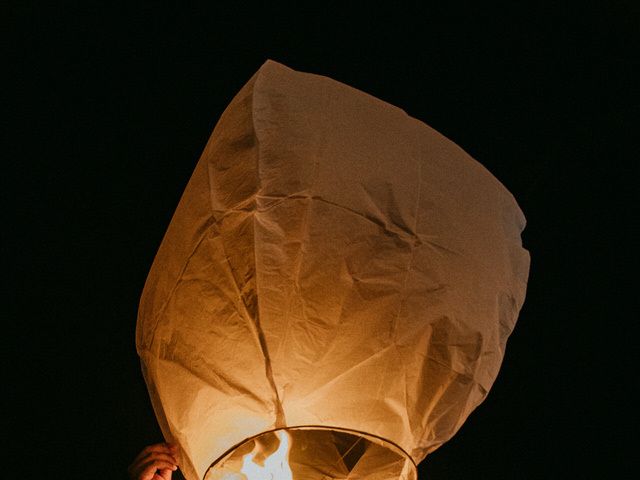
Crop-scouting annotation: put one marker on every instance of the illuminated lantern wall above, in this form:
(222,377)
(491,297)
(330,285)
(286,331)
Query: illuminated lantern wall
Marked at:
(335,268)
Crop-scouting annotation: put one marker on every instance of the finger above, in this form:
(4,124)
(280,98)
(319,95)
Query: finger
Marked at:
(136,472)
(156,456)
(165,474)
(160,456)
(158,465)
(148,467)
(141,472)
(152,472)
(143,475)
(158,447)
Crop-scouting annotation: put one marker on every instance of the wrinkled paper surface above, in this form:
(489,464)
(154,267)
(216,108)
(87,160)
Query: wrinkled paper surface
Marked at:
(332,262)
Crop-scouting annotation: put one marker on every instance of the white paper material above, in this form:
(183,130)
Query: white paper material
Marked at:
(333,262)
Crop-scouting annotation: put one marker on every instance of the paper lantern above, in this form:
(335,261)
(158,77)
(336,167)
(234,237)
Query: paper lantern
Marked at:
(338,281)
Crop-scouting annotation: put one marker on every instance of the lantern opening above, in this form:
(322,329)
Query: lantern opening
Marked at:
(313,453)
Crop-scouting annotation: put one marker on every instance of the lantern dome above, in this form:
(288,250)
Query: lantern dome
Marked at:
(337,276)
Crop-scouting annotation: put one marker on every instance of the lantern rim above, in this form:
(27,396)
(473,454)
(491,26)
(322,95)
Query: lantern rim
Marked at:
(391,445)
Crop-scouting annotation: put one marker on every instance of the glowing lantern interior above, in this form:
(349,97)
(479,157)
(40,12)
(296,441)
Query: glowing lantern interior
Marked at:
(272,466)
(307,453)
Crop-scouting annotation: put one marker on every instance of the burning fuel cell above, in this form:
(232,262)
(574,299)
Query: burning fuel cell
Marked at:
(334,293)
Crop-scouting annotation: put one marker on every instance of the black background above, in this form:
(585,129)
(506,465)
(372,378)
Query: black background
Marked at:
(110,105)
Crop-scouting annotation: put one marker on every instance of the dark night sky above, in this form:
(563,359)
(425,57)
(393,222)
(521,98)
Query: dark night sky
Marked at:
(111,104)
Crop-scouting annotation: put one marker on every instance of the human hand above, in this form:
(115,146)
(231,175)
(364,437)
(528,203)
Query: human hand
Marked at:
(155,462)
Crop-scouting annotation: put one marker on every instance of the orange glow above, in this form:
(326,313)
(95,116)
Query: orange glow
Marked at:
(276,466)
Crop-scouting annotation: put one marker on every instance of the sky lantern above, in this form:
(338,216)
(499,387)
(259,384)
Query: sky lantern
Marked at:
(334,293)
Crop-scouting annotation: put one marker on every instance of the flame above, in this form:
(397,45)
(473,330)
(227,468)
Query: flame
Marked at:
(276,466)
